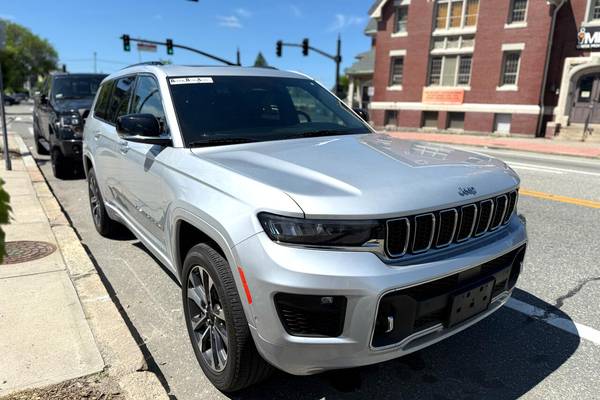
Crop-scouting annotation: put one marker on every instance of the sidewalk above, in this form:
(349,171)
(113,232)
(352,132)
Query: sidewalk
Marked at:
(536,145)
(57,321)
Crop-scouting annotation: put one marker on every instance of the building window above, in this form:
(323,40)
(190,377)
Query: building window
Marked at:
(453,42)
(401,19)
(390,118)
(456,120)
(396,71)
(518,11)
(510,68)
(594,10)
(502,123)
(450,70)
(455,14)
(430,119)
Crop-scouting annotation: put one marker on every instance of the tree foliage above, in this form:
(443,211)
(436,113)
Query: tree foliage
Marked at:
(260,60)
(25,56)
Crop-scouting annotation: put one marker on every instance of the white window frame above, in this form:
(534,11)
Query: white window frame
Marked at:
(397,8)
(502,87)
(462,27)
(519,24)
(457,68)
(392,86)
(587,18)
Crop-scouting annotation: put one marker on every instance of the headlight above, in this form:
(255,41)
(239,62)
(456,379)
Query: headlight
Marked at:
(67,121)
(320,232)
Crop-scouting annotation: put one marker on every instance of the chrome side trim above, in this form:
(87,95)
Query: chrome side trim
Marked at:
(472,225)
(430,236)
(437,239)
(489,221)
(492,228)
(387,239)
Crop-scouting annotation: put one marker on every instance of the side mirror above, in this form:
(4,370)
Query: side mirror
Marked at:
(141,128)
(43,99)
(362,113)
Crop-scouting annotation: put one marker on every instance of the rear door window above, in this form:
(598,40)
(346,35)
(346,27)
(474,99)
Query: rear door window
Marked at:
(119,103)
(101,107)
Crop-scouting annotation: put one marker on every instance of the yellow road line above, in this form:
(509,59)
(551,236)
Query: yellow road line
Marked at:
(562,199)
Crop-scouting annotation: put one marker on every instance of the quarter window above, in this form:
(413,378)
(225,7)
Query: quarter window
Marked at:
(100,109)
(510,68)
(119,103)
(396,71)
(401,19)
(518,11)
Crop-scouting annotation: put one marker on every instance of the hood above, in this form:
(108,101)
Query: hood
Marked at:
(366,176)
(73,105)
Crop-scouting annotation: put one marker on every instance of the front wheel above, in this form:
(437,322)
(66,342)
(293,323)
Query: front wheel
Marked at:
(216,322)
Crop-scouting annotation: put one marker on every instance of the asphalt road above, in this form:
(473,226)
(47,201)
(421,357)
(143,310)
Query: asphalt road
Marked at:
(506,356)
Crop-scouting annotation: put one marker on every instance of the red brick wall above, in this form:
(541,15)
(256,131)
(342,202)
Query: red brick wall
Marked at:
(523,124)
(479,122)
(409,118)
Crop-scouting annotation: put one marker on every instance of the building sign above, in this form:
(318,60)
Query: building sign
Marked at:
(149,47)
(588,38)
(443,96)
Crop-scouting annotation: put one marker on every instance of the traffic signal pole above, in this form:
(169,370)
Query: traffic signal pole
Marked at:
(193,50)
(337,58)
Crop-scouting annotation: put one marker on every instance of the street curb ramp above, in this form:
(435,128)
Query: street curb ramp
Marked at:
(123,358)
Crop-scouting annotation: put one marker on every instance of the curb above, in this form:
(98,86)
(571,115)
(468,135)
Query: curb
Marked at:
(122,356)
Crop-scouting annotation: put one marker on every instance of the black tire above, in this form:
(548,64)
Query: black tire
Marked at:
(102,222)
(243,366)
(39,148)
(62,167)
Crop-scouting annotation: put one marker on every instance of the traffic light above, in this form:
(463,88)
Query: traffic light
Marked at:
(126,44)
(279,48)
(305,47)
(170,47)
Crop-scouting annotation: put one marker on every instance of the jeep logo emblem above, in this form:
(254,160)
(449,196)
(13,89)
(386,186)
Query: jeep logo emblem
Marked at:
(467,191)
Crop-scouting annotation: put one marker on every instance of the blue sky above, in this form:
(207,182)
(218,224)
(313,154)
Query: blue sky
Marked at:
(78,28)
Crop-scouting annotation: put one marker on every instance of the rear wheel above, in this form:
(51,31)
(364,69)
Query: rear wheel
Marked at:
(62,167)
(102,222)
(216,322)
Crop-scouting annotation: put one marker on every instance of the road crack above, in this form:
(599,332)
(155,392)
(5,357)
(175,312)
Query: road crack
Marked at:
(561,300)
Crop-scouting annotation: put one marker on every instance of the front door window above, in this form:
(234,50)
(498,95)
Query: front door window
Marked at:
(586,100)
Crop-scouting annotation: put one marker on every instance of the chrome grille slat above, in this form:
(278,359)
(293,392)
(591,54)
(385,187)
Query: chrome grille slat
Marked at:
(417,234)
(500,210)
(417,229)
(484,225)
(440,226)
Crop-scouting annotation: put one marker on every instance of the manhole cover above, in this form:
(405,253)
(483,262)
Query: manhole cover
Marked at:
(25,250)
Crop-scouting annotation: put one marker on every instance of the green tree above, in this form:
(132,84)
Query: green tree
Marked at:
(260,60)
(25,57)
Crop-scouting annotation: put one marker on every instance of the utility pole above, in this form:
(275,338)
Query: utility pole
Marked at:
(305,45)
(95,63)
(7,161)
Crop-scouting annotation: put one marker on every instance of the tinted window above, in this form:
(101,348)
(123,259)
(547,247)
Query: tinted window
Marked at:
(146,98)
(103,100)
(75,87)
(119,103)
(259,108)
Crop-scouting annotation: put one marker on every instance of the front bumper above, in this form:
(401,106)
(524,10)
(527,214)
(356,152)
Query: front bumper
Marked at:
(363,279)
(71,148)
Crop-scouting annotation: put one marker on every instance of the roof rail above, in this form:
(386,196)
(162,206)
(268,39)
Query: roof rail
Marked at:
(145,63)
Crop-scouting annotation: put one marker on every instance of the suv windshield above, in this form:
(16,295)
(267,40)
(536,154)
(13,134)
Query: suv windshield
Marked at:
(241,109)
(75,87)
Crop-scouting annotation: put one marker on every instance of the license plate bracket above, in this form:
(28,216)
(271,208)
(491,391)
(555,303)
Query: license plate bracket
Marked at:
(470,301)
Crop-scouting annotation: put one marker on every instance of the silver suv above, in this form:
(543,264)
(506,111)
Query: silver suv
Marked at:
(302,239)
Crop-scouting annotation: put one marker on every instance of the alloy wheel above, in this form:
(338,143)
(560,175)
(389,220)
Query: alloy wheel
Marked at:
(207,318)
(95,200)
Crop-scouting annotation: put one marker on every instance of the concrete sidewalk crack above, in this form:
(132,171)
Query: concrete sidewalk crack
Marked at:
(561,300)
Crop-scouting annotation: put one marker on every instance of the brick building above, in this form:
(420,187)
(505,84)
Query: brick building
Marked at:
(509,66)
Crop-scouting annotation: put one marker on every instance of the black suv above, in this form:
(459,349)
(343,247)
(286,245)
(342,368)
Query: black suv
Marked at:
(58,116)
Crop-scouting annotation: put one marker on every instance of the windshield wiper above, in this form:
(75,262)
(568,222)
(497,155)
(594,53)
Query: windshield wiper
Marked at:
(219,142)
(325,132)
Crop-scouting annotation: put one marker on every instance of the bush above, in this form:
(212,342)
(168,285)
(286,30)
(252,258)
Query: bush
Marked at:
(4,215)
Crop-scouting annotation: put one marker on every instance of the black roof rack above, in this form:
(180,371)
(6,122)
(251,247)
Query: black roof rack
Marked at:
(145,63)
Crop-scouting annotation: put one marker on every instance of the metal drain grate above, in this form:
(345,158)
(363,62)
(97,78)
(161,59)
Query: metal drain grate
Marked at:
(25,250)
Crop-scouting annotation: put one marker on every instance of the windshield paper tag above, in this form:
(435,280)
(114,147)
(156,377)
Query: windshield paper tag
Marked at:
(190,80)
